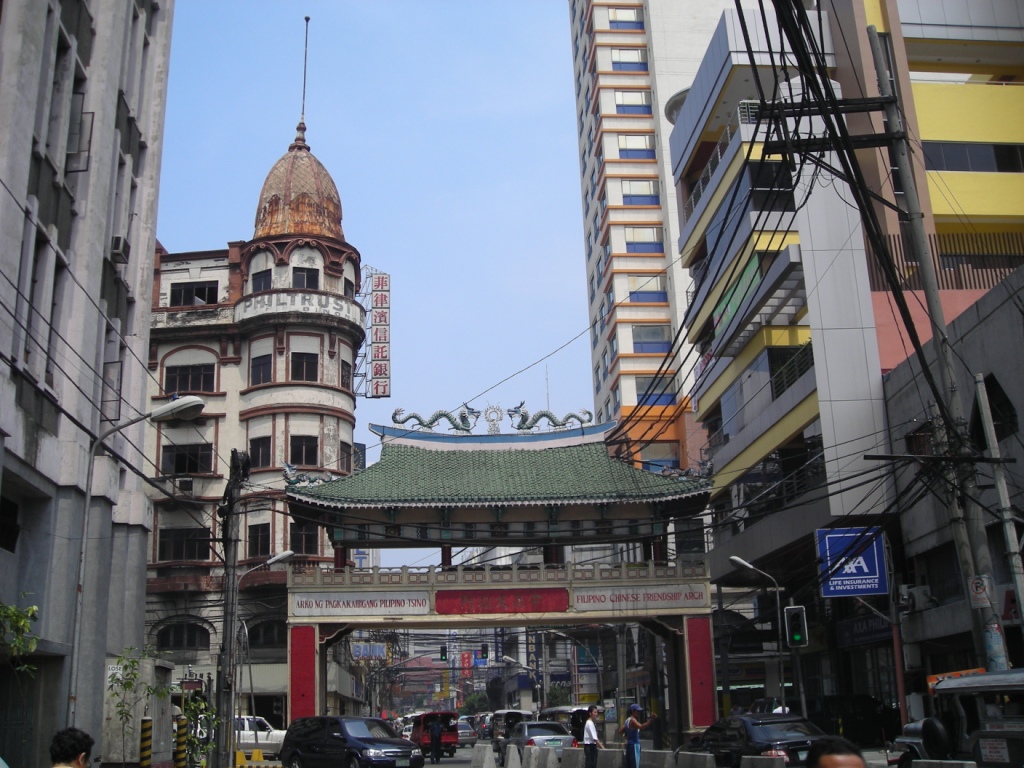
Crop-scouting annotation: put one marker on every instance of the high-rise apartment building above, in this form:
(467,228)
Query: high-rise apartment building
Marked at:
(82,95)
(629,58)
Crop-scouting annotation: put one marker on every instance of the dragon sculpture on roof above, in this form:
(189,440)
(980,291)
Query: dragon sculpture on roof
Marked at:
(464,422)
(527,422)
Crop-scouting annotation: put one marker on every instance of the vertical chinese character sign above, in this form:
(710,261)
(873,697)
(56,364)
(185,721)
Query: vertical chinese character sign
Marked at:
(378,378)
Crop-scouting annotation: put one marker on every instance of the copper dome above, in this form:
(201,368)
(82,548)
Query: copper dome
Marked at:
(299,196)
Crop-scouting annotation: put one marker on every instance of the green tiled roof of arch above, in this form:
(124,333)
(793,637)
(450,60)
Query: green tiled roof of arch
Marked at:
(410,476)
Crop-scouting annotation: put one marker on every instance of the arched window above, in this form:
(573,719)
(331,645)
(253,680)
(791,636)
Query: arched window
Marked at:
(269,634)
(183,637)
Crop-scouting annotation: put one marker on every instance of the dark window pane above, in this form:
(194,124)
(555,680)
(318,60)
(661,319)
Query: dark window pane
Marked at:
(187,459)
(1008,158)
(259,540)
(346,375)
(260,370)
(345,458)
(261,281)
(9,528)
(193,294)
(189,378)
(303,538)
(350,288)
(955,157)
(183,637)
(305,277)
(259,452)
(304,450)
(269,634)
(184,544)
(305,366)
(981,158)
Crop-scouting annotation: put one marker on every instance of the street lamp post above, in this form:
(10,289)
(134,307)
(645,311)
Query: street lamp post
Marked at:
(519,664)
(232,607)
(225,689)
(184,408)
(597,665)
(741,563)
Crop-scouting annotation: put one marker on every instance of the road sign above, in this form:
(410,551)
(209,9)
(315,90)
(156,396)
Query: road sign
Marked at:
(852,562)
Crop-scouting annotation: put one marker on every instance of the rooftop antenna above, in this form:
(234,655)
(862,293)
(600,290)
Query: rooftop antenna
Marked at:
(305,60)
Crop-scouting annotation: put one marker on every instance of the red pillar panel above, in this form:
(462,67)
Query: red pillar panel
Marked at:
(700,669)
(302,662)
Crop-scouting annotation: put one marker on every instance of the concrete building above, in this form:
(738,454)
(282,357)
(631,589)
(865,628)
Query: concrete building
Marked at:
(267,331)
(629,58)
(82,94)
(937,625)
(792,318)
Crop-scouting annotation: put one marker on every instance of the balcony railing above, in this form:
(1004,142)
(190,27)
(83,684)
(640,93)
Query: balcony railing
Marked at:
(746,113)
(787,375)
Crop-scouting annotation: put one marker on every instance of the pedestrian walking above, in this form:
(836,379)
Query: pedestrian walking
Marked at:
(591,743)
(71,748)
(436,729)
(632,729)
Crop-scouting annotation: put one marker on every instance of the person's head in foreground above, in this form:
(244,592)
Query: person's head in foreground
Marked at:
(835,752)
(71,747)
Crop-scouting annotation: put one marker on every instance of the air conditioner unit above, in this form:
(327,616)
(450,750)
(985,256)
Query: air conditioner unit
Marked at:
(921,598)
(120,250)
(184,486)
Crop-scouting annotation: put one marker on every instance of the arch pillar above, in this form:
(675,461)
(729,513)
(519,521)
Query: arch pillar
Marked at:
(304,680)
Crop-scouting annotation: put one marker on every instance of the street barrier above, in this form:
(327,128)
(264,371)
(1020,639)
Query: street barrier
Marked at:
(695,760)
(572,757)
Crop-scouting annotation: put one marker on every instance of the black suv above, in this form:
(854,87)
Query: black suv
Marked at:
(346,742)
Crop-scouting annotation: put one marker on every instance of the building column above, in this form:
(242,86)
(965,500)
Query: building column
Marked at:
(700,672)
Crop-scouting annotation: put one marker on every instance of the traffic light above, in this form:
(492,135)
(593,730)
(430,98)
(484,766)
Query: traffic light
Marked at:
(444,653)
(796,626)
(483,651)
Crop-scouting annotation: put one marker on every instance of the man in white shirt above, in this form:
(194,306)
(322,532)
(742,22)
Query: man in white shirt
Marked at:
(591,743)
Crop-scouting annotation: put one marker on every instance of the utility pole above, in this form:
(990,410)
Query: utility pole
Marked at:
(224,753)
(1006,515)
(965,521)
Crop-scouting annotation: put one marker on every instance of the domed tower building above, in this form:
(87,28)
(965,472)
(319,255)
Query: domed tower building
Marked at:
(267,332)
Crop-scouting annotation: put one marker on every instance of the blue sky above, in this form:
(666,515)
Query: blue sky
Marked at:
(449,130)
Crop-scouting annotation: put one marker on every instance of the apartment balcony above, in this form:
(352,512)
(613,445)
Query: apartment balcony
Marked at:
(787,388)
(775,300)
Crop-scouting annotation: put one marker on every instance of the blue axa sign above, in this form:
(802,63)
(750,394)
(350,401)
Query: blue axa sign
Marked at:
(852,562)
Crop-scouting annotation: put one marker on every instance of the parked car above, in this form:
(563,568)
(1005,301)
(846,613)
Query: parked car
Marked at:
(449,736)
(978,717)
(538,734)
(786,736)
(502,723)
(346,742)
(256,733)
(467,736)
(572,717)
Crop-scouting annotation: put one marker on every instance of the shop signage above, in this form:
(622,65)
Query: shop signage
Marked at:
(636,599)
(852,562)
(299,301)
(309,604)
(490,601)
(378,337)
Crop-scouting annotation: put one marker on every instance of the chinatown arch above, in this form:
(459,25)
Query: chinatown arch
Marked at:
(549,490)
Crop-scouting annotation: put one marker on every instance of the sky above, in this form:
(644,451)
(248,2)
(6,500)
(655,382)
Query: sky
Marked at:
(449,129)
